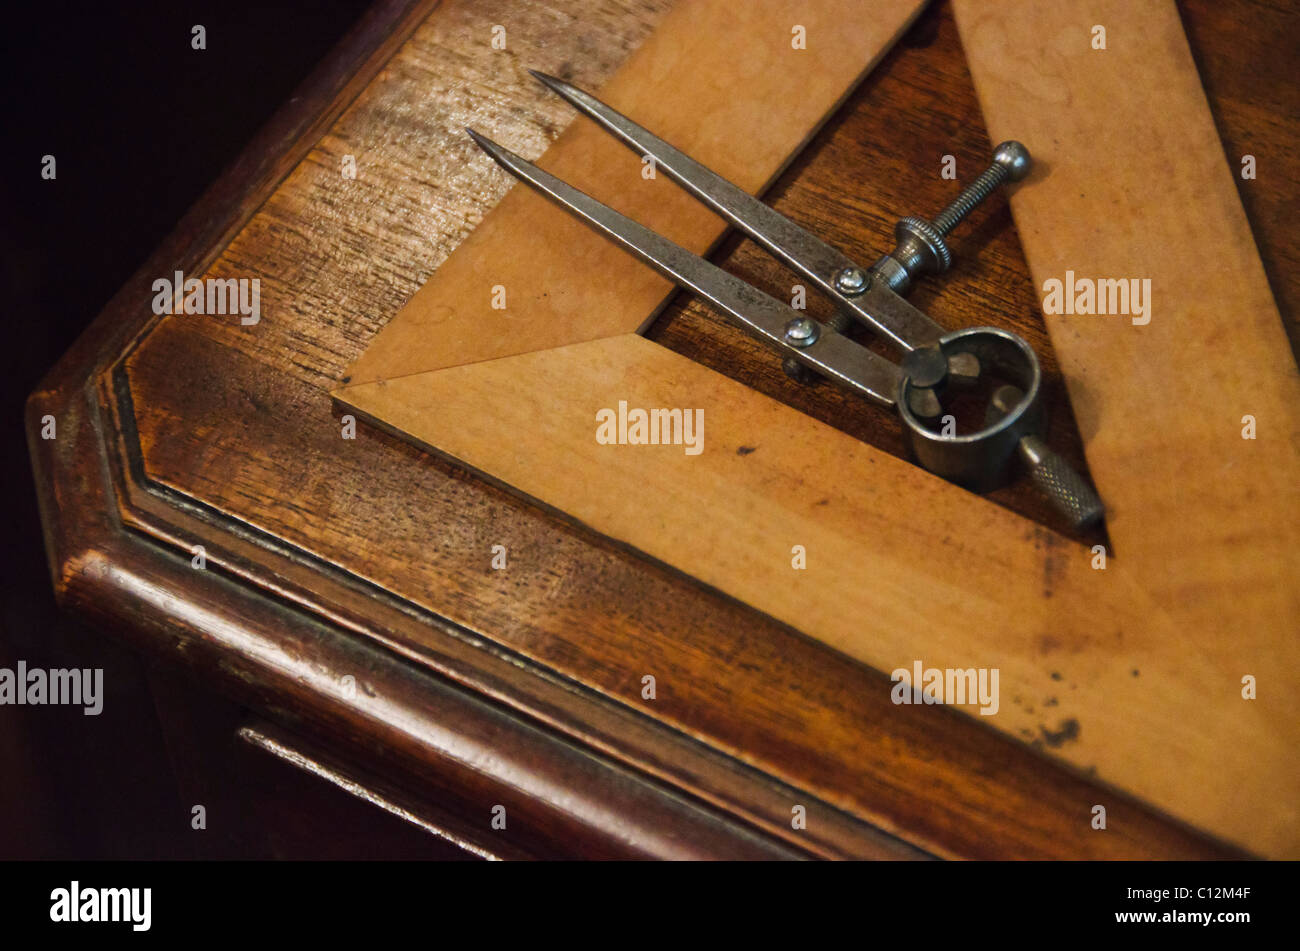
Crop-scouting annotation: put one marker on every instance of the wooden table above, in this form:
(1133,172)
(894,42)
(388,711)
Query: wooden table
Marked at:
(346,590)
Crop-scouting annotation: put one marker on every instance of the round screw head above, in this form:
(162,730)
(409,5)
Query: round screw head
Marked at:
(852,280)
(1015,158)
(801,332)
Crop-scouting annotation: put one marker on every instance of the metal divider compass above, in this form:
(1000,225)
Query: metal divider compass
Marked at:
(936,364)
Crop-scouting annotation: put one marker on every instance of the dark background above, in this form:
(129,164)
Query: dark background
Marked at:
(140,125)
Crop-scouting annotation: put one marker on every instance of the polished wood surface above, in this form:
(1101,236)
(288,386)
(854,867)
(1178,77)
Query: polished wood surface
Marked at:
(328,558)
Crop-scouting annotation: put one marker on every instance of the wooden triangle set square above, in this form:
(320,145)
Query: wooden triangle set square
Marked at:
(1131,182)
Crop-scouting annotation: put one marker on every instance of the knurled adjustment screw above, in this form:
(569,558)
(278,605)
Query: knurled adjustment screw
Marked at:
(921,248)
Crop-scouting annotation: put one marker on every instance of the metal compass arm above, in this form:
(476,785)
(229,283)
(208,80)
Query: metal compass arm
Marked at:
(832,355)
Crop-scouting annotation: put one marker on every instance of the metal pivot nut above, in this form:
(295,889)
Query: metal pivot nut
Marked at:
(921,248)
(850,281)
(803,332)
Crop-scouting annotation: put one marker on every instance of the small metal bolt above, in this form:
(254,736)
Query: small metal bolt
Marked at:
(852,280)
(801,332)
(1011,162)
(921,248)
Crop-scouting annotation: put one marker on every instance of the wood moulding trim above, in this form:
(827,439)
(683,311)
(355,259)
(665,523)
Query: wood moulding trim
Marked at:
(282,663)
(396,802)
(603,725)
(299,580)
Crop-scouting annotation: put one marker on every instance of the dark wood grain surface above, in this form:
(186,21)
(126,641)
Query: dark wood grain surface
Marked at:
(330,558)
